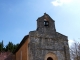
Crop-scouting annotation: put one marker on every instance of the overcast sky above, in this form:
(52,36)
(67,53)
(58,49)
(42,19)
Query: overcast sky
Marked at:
(18,18)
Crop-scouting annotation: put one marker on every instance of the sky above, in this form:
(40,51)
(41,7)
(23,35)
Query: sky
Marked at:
(18,18)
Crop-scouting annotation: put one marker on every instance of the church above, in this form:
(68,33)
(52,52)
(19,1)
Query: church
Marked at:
(45,43)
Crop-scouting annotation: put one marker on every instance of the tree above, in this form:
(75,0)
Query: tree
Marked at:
(9,47)
(75,51)
(15,47)
(1,46)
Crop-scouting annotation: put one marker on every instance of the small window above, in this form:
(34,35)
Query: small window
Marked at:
(46,23)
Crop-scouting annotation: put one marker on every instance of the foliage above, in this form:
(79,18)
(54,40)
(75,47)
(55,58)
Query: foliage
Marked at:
(9,47)
(1,46)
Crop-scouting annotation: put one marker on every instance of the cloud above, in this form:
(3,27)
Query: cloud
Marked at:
(60,2)
(71,42)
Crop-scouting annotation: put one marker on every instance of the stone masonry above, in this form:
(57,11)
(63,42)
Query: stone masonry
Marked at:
(46,40)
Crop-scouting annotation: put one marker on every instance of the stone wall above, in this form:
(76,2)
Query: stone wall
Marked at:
(45,40)
(41,44)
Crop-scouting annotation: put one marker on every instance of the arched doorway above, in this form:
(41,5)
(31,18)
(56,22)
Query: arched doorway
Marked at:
(49,58)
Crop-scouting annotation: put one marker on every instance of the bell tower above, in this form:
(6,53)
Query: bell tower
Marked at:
(45,23)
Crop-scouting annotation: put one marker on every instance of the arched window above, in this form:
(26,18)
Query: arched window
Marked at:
(49,58)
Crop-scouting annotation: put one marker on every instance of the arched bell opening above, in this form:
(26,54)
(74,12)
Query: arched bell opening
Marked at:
(49,58)
(46,22)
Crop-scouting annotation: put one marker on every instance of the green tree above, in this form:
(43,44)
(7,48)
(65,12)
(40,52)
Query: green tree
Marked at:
(15,47)
(9,47)
(1,46)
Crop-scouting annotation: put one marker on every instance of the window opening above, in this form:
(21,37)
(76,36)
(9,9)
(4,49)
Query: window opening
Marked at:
(46,23)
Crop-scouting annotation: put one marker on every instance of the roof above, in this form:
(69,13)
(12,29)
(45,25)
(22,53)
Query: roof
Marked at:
(46,16)
(21,43)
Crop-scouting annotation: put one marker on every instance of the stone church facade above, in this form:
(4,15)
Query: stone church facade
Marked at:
(44,43)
